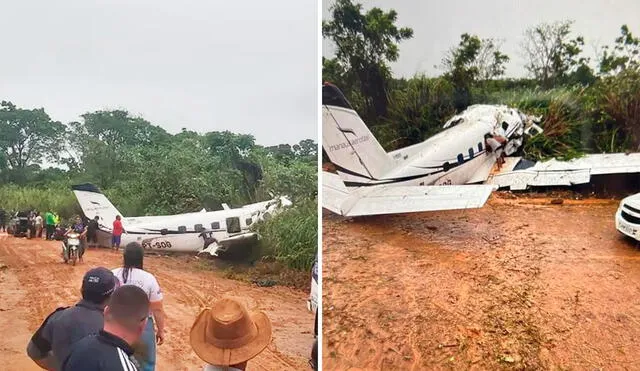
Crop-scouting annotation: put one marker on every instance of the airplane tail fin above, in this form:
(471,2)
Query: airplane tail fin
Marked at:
(348,141)
(93,202)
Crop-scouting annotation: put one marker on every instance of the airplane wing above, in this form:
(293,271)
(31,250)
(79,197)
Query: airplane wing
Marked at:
(521,174)
(383,199)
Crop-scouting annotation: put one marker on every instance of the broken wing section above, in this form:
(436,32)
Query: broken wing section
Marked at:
(564,173)
(378,200)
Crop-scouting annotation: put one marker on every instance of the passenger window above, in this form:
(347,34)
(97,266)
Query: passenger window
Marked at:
(182,229)
(198,228)
(479,146)
(470,153)
(460,158)
(215,225)
(446,166)
(248,221)
(505,126)
(164,231)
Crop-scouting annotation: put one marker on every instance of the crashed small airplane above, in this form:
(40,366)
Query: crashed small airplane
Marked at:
(217,233)
(450,170)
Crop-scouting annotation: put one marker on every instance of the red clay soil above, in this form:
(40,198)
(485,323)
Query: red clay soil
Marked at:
(34,281)
(520,284)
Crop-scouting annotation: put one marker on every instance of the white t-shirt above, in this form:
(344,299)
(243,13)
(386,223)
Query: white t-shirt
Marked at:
(143,279)
(38,220)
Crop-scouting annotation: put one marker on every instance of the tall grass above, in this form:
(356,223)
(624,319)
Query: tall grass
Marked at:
(53,198)
(292,236)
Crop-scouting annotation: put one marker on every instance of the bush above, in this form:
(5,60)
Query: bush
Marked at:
(292,236)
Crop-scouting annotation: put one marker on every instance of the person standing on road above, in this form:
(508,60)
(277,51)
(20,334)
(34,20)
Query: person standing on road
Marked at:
(50,224)
(3,220)
(132,273)
(31,224)
(38,225)
(117,233)
(227,336)
(52,342)
(111,349)
(92,232)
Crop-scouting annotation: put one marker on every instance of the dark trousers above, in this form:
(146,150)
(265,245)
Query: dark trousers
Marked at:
(50,231)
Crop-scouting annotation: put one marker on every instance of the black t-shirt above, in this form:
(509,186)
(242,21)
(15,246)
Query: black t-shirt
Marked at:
(100,352)
(92,227)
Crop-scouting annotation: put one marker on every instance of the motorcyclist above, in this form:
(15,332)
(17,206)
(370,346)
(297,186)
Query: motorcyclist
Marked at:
(80,228)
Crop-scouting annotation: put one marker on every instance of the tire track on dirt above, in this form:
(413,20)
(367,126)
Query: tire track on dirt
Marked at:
(509,286)
(42,283)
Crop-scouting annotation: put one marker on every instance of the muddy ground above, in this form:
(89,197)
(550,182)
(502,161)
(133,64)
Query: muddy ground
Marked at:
(522,283)
(34,281)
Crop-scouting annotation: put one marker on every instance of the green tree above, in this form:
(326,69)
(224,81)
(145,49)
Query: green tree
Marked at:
(624,54)
(28,136)
(473,60)
(550,52)
(365,43)
(116,128)
(234,150)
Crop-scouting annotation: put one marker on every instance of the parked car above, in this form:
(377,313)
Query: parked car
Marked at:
(18,226)
(628,217)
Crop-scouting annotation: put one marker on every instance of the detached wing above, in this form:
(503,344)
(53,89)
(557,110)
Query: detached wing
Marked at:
(384,199)
(566,173)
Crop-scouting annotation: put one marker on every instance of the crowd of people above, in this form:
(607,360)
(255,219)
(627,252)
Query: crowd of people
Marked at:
(120,320)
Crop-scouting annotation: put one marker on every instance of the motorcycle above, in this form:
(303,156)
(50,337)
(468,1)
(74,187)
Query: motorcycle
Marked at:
(71,248)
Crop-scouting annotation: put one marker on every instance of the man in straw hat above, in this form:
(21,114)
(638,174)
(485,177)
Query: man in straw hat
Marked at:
(227,336)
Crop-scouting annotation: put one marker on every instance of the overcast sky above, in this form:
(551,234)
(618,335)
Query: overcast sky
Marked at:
(244,66)
(437,26)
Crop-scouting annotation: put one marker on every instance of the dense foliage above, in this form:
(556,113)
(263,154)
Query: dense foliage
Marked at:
(146,171)
(587,106)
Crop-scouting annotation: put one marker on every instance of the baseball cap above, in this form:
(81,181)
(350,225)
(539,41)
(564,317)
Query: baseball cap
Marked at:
(98,284)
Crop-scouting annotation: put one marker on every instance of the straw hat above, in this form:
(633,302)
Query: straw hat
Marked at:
(227,334)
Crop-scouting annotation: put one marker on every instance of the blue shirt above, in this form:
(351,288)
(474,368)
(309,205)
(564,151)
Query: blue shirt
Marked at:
(78,227)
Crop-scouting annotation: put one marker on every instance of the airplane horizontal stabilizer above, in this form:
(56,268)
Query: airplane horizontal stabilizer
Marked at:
(377,200)
(334,192)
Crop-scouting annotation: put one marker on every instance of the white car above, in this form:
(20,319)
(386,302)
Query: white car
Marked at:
(628,217)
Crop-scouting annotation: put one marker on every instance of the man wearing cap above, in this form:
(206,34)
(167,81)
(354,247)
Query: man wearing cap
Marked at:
(227,336)
(51,343)
(125,318)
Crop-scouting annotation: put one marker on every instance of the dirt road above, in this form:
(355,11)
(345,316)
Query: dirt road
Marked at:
(518,284)
(34,282)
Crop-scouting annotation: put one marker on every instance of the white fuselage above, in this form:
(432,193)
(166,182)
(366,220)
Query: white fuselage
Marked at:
(191,232)
(456,155)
